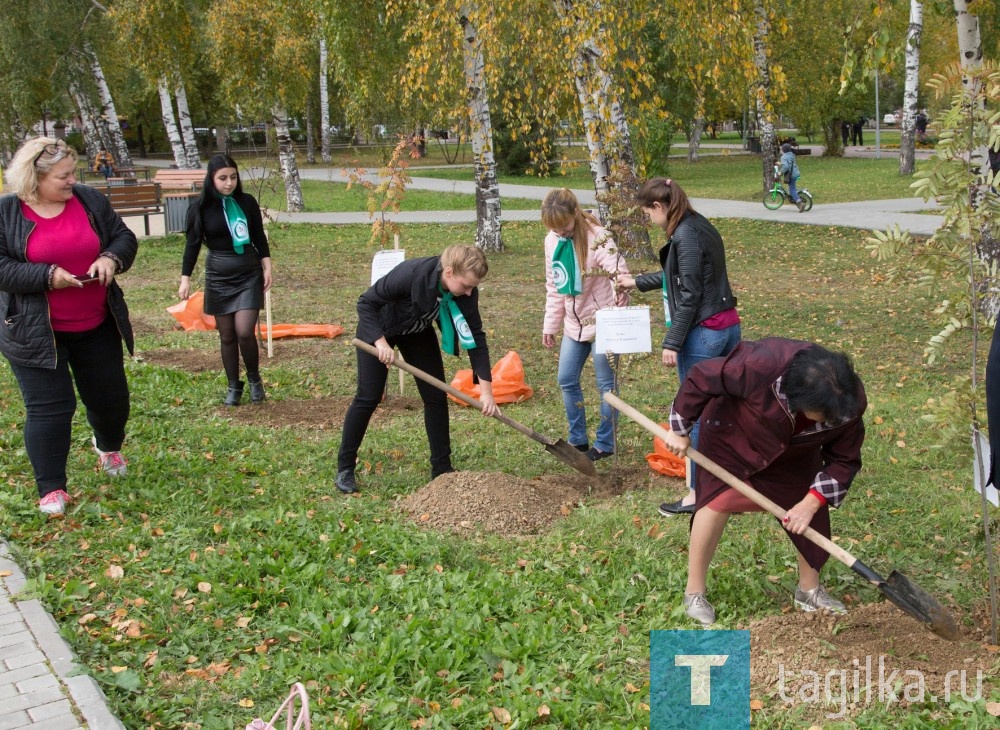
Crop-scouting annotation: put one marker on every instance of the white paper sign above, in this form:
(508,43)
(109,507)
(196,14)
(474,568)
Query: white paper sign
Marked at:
(385,261)
(981,465)
(623,330)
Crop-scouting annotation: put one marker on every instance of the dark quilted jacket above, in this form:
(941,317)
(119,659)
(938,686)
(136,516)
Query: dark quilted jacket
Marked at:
(26,336)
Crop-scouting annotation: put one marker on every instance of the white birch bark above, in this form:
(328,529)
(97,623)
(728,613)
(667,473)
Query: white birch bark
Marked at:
(488,224)
(170,124)
(762,93)
(970,54)
(324,102)
(111,130)
(187,129)
(908,125)
(599,165)
(286,159)
(91,134)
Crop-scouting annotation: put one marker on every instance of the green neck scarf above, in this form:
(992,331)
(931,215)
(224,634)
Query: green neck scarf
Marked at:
(666,295)
(453,325)
(236,219)
(566,269)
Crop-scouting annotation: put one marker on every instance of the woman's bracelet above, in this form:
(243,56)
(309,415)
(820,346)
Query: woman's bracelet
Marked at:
(52,273)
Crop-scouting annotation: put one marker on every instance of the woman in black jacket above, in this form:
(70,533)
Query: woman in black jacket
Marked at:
(237,270)
(399,310)
(64,315)
(698,302)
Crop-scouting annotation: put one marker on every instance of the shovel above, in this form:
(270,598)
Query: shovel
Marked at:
(899,589)
(557,447)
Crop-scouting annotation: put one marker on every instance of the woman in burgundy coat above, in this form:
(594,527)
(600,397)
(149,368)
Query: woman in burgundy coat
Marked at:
(784,416)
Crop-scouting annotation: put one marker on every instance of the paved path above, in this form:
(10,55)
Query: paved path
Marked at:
(41,686)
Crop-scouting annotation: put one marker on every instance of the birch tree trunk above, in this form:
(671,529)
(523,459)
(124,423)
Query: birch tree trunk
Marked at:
(907,141)
(310,136)
(324,101)
(762,93)
(111,130)
(286,159)
(170,124)
(697,125)
(970,54)
(92,141)
(187,129)
(488,224)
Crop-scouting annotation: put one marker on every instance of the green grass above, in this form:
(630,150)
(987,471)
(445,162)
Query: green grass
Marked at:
(334,197)
(738,177)
(246,571)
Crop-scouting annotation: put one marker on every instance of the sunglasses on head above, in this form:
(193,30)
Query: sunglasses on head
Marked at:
(55,150)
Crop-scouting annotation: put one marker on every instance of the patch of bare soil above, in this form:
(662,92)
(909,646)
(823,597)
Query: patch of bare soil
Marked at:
(313,413)
(872,651)
(191,360)
(467,501)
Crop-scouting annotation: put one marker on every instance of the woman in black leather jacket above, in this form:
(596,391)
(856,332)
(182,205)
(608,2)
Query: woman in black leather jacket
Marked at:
(698,302)
(64,316)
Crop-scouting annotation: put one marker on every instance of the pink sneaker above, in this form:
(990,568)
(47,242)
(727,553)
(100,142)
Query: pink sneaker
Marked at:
(112,462)
(53,503)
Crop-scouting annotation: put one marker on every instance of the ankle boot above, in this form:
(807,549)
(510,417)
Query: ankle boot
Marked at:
(235,393)
(257,393)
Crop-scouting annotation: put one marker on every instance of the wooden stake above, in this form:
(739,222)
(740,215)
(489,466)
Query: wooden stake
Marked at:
(267,314)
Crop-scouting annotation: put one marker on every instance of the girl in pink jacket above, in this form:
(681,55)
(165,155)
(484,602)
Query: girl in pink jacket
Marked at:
(581,261)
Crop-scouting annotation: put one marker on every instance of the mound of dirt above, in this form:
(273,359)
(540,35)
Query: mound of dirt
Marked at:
(191,360)
(467,501)
(793,654)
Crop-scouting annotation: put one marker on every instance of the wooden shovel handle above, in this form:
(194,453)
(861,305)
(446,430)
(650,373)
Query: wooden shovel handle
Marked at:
(464,397)
(739,485)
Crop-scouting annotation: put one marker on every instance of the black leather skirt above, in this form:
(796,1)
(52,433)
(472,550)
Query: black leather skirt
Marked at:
(233,281)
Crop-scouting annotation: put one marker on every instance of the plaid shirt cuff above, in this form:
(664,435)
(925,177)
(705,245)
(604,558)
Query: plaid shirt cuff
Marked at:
(829,488)
(679,425)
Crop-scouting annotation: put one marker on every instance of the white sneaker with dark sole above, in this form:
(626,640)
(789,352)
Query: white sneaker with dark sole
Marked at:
(817,600)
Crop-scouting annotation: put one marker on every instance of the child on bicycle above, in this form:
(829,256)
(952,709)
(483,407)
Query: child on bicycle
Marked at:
(789,170)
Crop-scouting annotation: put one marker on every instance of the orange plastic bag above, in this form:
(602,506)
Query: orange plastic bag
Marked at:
(663,461)
(303,330)
(191,314)
(508,381)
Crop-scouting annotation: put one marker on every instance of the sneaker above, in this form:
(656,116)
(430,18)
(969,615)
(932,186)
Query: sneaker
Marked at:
(346,482)
(816,600)
(595,454)
(53,503)
(696,606)
(112,462)
(669,509)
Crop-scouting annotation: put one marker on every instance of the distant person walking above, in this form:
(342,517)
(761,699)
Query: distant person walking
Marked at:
(921,126)
(857,131)
(845,132)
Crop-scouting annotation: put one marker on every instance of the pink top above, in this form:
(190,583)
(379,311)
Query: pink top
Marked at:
(69,241)
(577,316)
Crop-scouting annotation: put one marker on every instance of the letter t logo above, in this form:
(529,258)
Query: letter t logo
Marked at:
(701,674)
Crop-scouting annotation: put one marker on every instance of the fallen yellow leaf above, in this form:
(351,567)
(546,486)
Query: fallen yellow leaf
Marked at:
(756,705)
(246,702)
(204,587)
(501,715)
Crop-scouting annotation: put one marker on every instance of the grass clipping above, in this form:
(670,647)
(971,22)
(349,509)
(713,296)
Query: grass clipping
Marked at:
(470,501)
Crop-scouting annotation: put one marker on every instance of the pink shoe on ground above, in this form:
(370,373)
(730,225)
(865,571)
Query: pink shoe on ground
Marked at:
(53,503)
(112,462)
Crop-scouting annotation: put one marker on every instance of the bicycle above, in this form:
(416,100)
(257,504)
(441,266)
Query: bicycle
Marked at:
(775,197)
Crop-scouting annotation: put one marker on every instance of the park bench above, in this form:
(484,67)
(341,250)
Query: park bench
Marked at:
(180,180)
(140,199)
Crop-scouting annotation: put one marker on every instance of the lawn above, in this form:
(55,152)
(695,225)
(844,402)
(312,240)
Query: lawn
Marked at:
(226,566)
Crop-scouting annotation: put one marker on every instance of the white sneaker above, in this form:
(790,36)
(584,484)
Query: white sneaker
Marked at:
(817,600)
(696,606)
(112,462)
(53,503)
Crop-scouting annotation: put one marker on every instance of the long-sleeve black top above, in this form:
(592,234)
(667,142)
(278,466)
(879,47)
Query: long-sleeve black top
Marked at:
(215,233)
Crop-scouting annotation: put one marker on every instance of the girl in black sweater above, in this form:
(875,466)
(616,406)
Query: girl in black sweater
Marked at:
(237,270)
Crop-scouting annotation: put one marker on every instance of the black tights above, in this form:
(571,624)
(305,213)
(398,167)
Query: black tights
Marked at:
(236,332)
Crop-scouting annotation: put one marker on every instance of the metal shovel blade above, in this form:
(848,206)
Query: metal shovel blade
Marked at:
(920,604)
(570,456)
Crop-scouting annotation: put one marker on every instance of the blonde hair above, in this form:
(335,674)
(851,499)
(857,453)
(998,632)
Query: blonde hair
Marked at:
(30,165)
(465,259)
(561,208)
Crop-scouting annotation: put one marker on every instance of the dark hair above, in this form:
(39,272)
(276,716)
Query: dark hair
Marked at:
(208,195)
(786,147)
(668,193)
(820,380)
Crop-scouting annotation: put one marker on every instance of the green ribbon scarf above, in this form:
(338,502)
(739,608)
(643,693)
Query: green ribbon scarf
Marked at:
(666,300)
(452,323)
(236,219)
(566,269)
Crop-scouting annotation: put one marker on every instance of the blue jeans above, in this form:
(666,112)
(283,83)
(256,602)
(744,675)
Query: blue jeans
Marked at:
(703,343)
(572,356)
(792,191)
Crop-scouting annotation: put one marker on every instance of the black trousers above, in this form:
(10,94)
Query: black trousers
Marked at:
(93,360)
(422,351)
